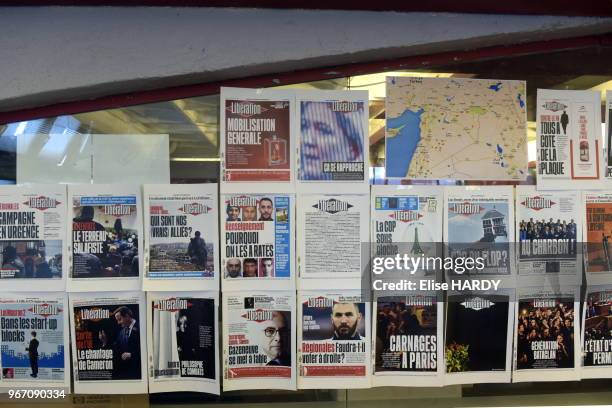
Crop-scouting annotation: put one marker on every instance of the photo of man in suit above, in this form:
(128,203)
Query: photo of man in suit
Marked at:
(32,350)
(127,345)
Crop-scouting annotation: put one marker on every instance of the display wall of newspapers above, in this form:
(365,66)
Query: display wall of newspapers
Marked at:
(182,237)
(295,200)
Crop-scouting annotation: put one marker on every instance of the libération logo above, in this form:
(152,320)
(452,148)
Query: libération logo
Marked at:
(195,209)
(332,206)
(537,203)
(42,203)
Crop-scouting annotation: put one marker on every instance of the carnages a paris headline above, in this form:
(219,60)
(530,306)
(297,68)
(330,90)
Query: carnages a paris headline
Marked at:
(430,285)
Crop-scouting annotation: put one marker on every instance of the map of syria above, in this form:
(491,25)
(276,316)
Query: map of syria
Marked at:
(456,128)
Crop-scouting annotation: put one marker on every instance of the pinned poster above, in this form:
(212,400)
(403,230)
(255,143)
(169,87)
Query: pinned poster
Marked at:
(455,128)
(108,332)
(548,232)
(479,223)
(182,341)
(257,241)
(34,350)
(105,232)
(333,340)
(597,224)
(547,339)
(259,340)
(257,141)
(568,143)
(182,230)
(333,136)
(407,220)
(478,343)
(597,333)
(33,237)
(333,239)
(409,336)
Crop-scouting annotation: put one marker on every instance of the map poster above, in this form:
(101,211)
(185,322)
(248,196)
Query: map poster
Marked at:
(333,228)
(480,224)
(547,225)
(105,234)
(597,333)
(33,238)
(597,236)
(182,341)
(547,339)
(456,128)
(333,136)
(608,146)
(257,244)
(478,340)
(333,340)
(182,230)
(34,349)
(568,143)
(108,334)
(259,340)
(408,344)
(256,135)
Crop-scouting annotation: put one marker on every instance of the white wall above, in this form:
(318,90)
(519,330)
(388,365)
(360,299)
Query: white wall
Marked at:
(55,54)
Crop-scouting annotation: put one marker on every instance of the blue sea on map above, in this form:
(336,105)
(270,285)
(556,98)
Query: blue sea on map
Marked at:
(401,148)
